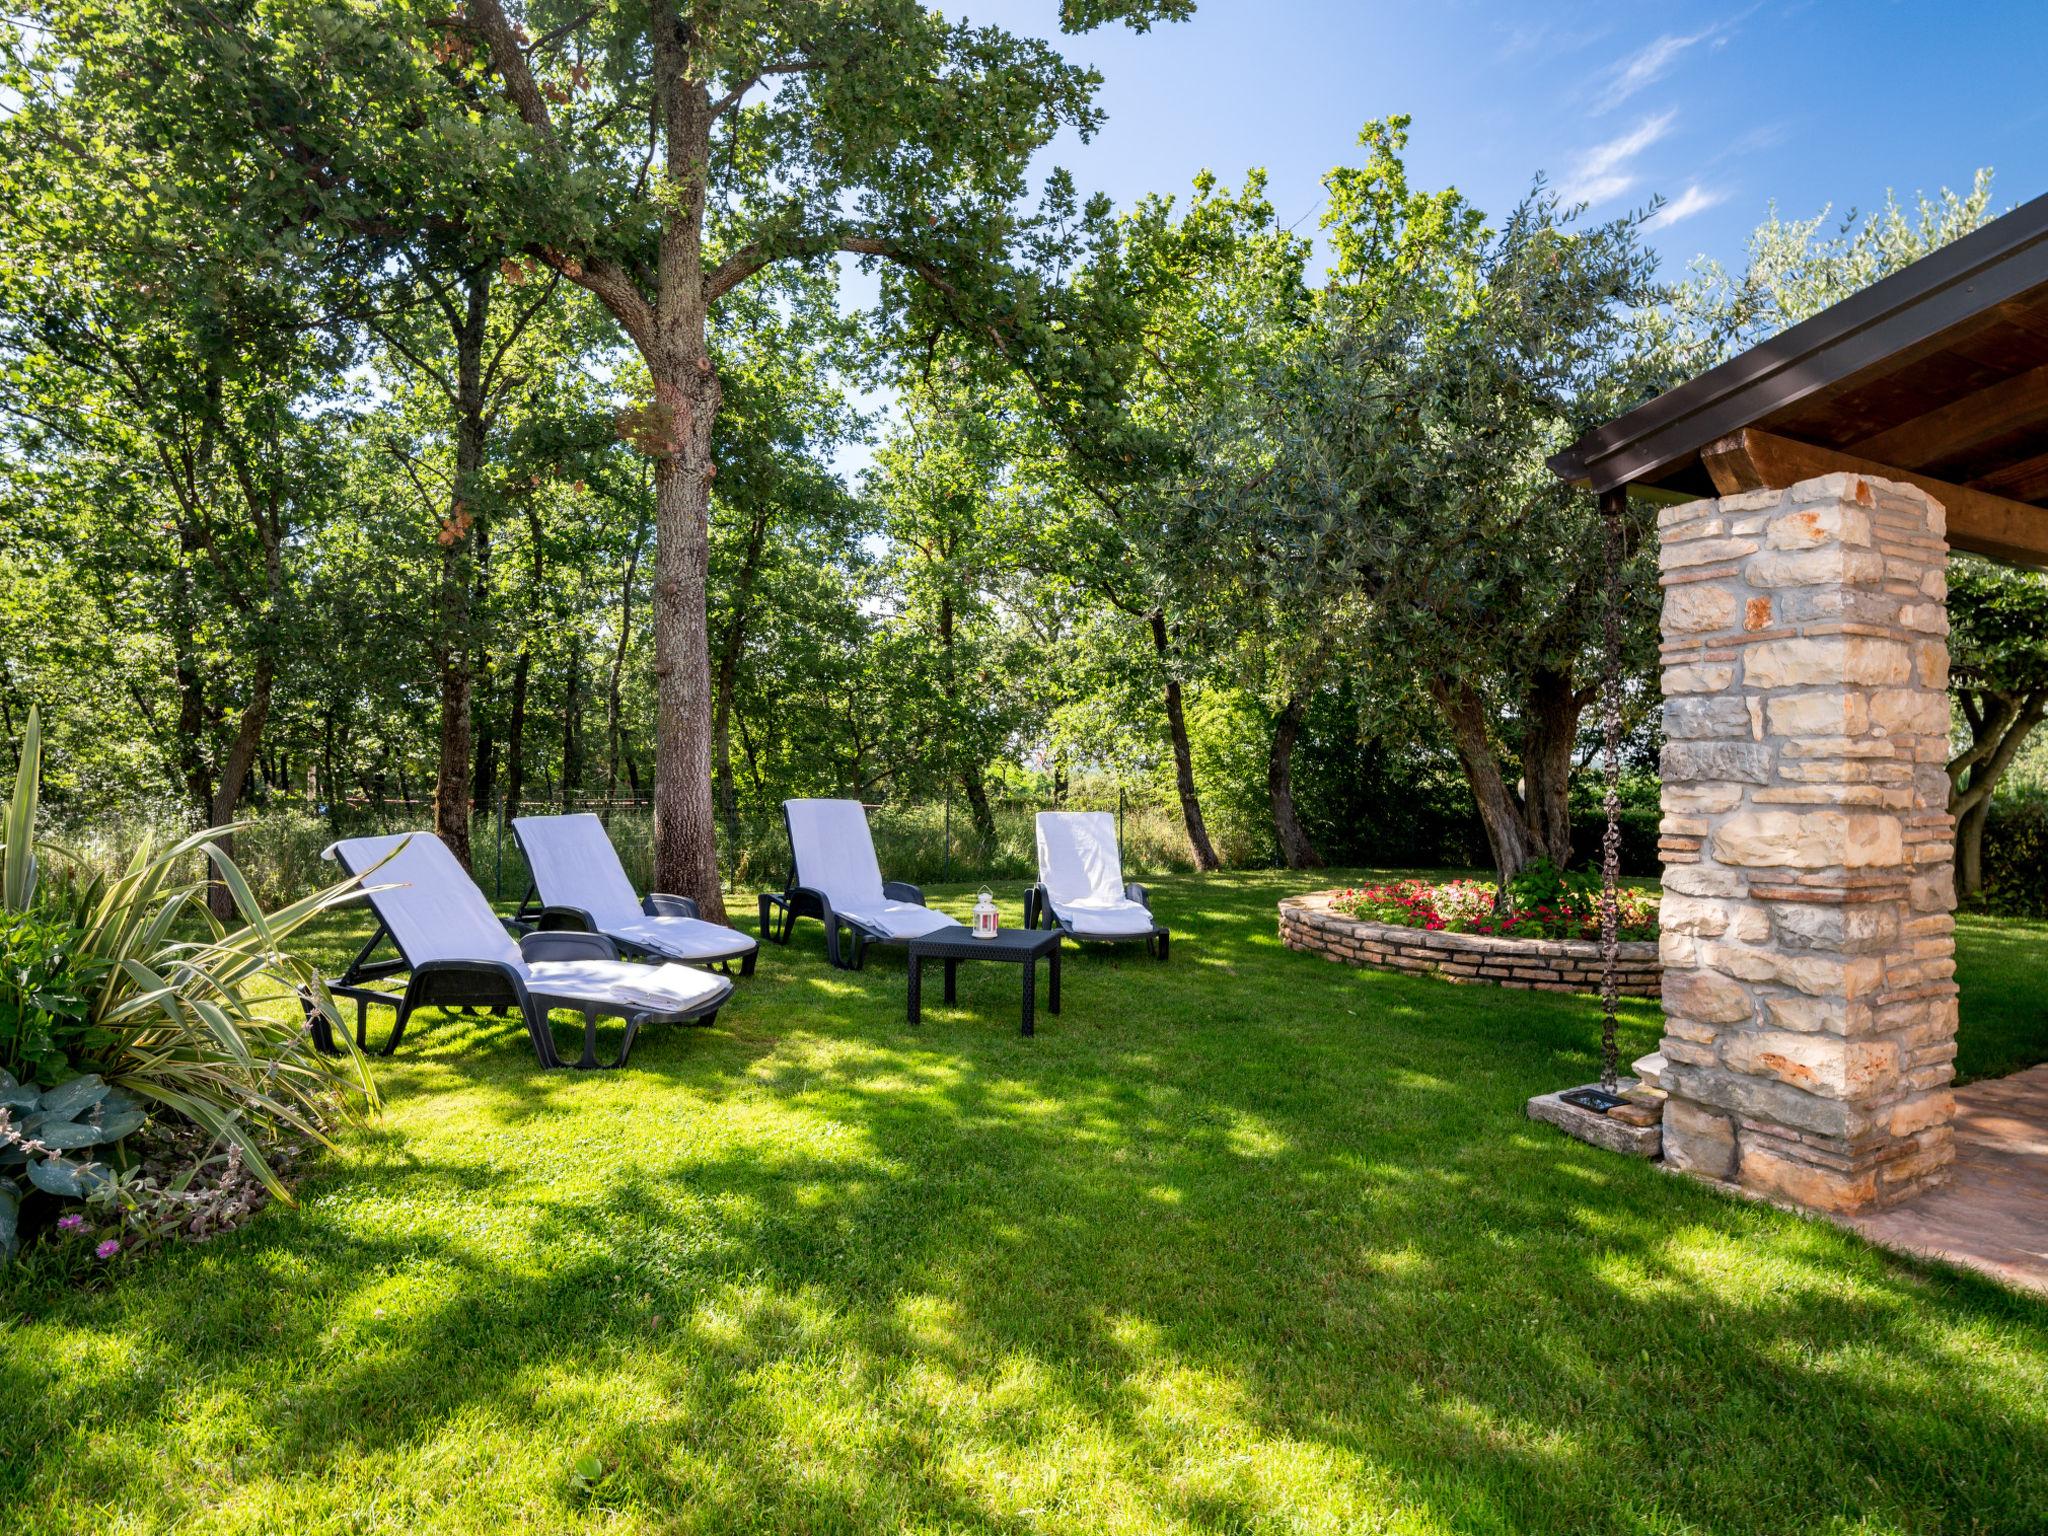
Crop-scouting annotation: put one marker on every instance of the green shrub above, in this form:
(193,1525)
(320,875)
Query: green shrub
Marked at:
(2016,855)
(48,977)
(1542,885)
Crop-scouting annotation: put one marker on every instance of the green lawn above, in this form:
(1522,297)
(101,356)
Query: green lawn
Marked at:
(2002,969)
(1244,1243)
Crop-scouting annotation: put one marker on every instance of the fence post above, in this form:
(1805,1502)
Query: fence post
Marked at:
(946,858)
(498,875)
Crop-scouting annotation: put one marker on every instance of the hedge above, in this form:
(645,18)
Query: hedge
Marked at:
(2016,855)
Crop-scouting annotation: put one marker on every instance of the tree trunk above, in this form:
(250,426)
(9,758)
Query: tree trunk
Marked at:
(685,820)
(730,645)
(234,775)
(515,734)
(979,813)
(484,789)
(1183,757)
(1295,848)
(1536,823)
(330,771)
(2000,724)
(193,769)
(1507,833)
(454,646)
(611,691)
(1970,848)
(1550,714)
(669,330)
(572,724)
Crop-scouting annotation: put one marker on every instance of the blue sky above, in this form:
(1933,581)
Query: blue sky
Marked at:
(1720,108)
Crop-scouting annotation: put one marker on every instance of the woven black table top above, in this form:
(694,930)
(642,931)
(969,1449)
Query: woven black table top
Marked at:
(1013,944)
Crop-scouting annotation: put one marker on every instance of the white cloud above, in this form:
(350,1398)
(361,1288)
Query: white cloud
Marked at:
(1653,61)
(1547,40)
(1694,199)
(1646,66)
(1603,172)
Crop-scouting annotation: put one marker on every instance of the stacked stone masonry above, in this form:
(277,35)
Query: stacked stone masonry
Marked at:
(1808,942)
(1310,924)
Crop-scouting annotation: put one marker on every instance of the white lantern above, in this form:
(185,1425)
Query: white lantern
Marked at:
(984,916)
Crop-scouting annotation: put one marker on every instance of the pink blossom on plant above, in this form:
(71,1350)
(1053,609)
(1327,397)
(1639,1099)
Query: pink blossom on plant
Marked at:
(109,1248)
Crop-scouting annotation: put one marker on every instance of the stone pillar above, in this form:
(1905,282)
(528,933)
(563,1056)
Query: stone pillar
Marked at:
(1808,886)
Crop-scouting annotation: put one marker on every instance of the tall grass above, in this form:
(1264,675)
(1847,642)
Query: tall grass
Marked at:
(278,851)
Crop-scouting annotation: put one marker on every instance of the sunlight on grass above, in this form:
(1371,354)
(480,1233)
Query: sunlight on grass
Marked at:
(1274,1251)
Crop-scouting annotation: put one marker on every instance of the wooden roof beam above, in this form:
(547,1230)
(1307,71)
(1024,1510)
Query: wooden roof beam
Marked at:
(2018,404)
(1978,521)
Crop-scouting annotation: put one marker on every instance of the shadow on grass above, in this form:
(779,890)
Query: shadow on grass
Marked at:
(1267,1250)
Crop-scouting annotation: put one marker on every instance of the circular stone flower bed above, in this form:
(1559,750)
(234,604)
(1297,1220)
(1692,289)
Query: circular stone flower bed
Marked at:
(1315,925)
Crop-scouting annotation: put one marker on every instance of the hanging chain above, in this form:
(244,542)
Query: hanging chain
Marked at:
(1612,504)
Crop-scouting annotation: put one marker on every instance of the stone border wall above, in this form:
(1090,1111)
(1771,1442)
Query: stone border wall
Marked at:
(1308,923)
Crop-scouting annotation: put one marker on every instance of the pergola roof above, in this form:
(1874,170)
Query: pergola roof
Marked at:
(1937,376)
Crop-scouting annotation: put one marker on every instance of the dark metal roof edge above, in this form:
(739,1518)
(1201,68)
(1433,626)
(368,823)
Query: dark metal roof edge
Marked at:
(1754,371)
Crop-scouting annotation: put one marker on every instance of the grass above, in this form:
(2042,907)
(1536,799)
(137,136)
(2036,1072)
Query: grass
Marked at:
(1244,1243)
(2002,969)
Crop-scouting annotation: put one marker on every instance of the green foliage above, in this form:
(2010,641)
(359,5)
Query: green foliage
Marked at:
(19,866)
(1998,626)
(47,1135)
(134,985)
(1395,494)
(48,978)
(1795,268)
(2016,856)
(1540,883)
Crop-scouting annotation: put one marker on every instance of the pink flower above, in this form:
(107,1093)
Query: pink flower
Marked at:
(72,1223)
(109,1248)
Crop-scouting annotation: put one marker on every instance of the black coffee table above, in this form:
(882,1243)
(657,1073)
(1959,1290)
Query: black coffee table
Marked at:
(1017,946)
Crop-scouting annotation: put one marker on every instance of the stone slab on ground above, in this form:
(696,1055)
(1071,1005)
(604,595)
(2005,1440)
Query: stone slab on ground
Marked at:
(1605,1131)
(1992,1214)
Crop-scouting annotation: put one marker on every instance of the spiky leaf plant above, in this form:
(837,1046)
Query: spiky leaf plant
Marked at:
(191,1014)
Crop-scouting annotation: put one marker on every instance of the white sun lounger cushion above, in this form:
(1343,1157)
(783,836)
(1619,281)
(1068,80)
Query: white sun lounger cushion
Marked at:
(1082,872)
(835,854)
(575,865)
(630,988)
(434,910)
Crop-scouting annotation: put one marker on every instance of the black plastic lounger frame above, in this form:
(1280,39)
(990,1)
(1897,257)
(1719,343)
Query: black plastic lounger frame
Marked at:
(1038,913)
(794,901)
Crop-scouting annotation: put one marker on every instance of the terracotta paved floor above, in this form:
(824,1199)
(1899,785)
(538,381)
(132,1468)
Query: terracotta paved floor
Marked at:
(1993,1214)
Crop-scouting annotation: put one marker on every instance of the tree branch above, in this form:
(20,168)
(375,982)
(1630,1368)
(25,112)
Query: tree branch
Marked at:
(731,98)
(488,18)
